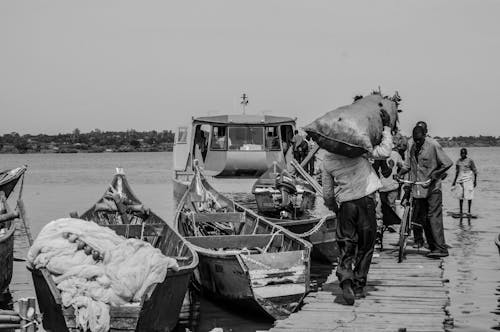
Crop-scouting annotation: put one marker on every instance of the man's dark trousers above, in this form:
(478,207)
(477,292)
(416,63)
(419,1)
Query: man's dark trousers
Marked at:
(428,212)
(356,235)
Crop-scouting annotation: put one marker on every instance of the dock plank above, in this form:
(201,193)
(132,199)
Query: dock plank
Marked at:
(411,295)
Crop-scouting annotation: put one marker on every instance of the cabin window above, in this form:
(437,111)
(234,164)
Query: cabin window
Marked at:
(182,135)
(272,138)
(247,138)
(219,138)
(286,136)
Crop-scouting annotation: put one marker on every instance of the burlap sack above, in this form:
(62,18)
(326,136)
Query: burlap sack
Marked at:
(354,129)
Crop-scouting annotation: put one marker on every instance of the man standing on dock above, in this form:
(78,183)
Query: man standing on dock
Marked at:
(352,182)
(427,160)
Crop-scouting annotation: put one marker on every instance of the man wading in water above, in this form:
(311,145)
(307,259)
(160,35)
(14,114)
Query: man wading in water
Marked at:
(352,183)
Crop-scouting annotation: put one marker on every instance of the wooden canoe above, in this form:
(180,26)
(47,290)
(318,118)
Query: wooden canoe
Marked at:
(270,198)
(319,231)
(245,260)
(7,230)
(8,219)
(158,311)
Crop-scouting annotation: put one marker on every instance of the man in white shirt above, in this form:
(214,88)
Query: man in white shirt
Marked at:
(352,183)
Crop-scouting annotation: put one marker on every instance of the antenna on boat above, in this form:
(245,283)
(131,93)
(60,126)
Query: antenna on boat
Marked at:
(244,101)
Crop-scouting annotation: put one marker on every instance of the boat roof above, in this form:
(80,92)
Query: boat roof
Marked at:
(244,119)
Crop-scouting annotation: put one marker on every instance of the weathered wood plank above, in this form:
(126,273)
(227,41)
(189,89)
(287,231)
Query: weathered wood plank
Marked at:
(411,295)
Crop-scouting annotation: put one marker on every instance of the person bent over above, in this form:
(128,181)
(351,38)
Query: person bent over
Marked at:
(349,186)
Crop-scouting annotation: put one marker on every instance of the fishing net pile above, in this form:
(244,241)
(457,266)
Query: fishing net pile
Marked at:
(94,268)
(353,129)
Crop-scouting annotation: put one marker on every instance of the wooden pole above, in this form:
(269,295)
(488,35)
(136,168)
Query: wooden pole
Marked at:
(309,156)
(22,213)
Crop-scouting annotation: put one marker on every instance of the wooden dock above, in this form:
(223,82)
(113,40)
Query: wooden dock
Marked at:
(411,296)
(21,285)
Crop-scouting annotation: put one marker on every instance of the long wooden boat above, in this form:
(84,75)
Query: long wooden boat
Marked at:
(8,181)
(244,259)
(278,193)
(120,210)
(7,229)
(319,231)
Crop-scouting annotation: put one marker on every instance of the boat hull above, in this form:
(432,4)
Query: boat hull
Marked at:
(324,240)
(6,257)
(232,279)
(159,313)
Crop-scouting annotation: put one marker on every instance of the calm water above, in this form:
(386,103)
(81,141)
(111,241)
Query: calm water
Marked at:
(59,183)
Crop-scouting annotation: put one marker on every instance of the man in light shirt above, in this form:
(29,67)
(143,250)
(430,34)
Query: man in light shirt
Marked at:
(352,183)
(427,160)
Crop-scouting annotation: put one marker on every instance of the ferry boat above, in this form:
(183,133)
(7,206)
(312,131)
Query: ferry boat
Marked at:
(231,146)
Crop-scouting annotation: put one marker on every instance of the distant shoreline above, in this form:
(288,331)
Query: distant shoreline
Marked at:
(171,150)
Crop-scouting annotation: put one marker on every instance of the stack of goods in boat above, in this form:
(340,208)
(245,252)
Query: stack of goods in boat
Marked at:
(354,129)
(287,201)
(244,259)
(130,275)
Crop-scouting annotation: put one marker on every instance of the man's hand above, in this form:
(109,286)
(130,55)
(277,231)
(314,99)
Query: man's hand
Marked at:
(386,119)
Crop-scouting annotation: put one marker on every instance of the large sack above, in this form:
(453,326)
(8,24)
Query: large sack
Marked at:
(354,129)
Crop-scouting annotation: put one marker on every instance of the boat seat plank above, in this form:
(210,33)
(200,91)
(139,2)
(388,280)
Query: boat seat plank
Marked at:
(134,231)
(236,241)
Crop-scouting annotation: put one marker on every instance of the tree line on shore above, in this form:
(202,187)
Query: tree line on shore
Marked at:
(147,141)
(94,141)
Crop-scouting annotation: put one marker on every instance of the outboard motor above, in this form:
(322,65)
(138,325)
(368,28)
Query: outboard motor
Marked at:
(285,183)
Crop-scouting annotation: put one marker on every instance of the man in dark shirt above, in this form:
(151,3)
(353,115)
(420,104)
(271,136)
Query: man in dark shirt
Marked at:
(427,160)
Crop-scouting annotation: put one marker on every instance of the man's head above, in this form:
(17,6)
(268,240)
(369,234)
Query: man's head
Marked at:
(422,124)
(463,153)
(418,135)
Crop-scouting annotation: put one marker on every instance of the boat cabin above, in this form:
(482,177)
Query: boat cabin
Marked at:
(234,145)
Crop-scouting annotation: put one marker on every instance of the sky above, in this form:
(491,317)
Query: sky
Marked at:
(152,65)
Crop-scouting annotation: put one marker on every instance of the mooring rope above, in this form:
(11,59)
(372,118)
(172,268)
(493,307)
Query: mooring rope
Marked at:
(314,229)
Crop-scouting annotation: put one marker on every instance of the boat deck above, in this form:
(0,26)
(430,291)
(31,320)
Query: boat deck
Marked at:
(411,296)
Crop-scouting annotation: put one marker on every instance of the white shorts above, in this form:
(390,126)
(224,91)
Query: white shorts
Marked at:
(467,191)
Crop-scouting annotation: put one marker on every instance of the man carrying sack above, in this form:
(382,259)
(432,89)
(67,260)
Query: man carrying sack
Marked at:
(349,186)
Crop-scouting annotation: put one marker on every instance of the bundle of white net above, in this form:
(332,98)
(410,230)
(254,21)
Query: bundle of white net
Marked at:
(119,272)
